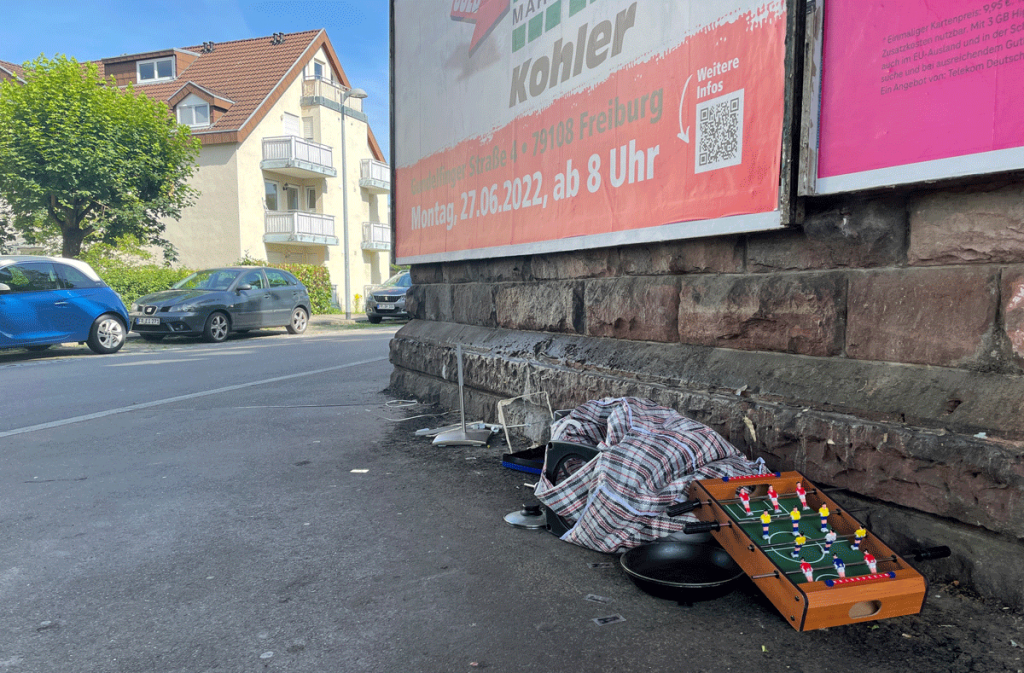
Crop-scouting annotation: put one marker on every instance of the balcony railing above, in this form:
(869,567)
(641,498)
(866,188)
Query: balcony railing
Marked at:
(376,236)
(323,92)
(374,176)
(299,227)
(295,156)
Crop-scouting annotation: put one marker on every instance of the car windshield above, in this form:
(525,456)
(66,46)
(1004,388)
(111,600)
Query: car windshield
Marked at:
(211,279)
(398,280)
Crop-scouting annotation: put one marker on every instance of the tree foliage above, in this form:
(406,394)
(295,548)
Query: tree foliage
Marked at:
(93,160)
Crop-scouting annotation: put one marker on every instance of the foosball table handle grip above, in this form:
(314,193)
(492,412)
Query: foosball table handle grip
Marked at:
(932,553)
(700,527)
(682,507)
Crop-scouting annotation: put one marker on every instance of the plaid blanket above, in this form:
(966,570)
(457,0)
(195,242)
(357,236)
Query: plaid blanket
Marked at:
(648,457)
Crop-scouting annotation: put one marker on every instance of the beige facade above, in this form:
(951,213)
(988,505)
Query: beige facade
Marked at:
(280,193)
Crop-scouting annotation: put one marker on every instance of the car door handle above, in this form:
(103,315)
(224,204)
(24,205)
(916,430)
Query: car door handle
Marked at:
(60,303)
(266,296)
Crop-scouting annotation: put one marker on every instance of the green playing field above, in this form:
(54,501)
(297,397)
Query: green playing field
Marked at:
(780,545)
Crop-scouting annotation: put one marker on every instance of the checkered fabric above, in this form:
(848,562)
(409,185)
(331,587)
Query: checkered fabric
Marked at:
(648,457)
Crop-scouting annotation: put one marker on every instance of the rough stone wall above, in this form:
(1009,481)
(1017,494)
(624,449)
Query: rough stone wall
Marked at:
(879,347)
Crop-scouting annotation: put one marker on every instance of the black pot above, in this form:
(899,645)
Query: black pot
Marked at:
(682,572)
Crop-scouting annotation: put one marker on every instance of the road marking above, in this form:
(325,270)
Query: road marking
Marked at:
(179,398)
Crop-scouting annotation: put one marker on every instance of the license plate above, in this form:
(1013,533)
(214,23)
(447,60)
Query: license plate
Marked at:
(385,307)
(147,321)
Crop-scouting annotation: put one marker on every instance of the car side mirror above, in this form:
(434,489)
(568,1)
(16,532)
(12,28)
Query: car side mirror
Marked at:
(243,286)
(4,288)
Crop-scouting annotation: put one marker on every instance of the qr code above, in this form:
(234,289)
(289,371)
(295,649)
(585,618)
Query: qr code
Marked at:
(719,132)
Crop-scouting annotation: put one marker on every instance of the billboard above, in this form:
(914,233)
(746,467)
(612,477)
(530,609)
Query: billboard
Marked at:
(529,126)
(919,90)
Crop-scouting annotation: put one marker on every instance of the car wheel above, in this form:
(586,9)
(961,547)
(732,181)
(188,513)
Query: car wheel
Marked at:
(36,349)
(107,335)
(217,328)
(299,321)
(373,319)
(153,337)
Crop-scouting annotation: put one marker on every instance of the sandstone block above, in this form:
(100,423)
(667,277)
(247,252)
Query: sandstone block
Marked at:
(703,255)
(473,304)
(793,313)
(938,317)
(969,227)
(637,308)
(1013,312)
(551,307)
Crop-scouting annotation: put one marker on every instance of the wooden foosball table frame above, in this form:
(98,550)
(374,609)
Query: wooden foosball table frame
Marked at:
(895,590)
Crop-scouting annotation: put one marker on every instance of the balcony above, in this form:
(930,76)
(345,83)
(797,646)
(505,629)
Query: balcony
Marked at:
(329,95)
(374,176)
(376,236)
(298,158)
(299,228)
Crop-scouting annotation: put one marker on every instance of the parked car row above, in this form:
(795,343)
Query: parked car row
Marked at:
(46,301)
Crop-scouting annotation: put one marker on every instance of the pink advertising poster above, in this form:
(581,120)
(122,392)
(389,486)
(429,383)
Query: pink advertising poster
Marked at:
(915,90)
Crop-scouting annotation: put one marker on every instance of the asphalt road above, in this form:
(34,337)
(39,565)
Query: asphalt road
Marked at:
(264,505)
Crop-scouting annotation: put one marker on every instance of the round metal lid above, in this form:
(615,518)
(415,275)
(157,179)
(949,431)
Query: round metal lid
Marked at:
(530,517)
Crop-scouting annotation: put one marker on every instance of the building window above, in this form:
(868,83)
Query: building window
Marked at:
(319,70)
(155,70)
(293,197)
(195,116)
(270,199)
(311,199)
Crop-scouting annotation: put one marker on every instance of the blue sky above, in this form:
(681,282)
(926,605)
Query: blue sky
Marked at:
(93,29)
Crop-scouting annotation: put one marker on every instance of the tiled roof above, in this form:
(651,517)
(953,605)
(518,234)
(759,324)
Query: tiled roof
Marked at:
(12,69)
(251,74)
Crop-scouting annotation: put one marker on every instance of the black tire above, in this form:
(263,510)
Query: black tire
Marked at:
(217,328)
(37,349)
(153,337)
(374,319)
(300,319)
(107,334)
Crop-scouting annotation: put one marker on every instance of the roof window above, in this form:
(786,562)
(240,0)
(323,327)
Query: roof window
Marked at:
(156,70)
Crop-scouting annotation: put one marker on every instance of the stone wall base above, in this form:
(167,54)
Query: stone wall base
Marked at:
(850,424)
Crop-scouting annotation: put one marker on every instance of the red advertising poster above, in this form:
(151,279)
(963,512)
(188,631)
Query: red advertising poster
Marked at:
(528,126)
(919,90)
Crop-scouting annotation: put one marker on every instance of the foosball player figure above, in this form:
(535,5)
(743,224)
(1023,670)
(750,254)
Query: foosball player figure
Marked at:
(801,493)
(830,537)
(795,515)
(745,498)
(766,522)
(797,544)
(869,558)
(807,569)
(839,564)
(823,513)
(858,535)
(773,495)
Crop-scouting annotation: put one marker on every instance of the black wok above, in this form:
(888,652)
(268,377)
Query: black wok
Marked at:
(682,572)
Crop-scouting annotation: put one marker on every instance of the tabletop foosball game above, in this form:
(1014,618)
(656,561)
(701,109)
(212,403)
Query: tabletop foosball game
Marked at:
(811,558)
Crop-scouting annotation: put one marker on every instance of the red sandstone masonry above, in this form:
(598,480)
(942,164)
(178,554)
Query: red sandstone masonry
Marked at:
(711,255)
(547,307)
(638,309)
(973,227)
(1013,311)
(796,313)
(940,317)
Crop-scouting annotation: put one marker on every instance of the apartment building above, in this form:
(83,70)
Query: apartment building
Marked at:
(290,170)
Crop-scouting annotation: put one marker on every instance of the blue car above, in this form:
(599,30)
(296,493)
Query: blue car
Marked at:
(53,300)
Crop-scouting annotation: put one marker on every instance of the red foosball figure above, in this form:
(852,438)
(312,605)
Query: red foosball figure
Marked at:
(745,498)
(773,495)
(801,493)
(807,570)
(869,558)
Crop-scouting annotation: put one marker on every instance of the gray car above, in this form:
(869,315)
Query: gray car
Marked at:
(387,300)
(215,302)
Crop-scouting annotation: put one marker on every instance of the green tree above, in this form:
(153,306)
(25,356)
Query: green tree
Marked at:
(93,160)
